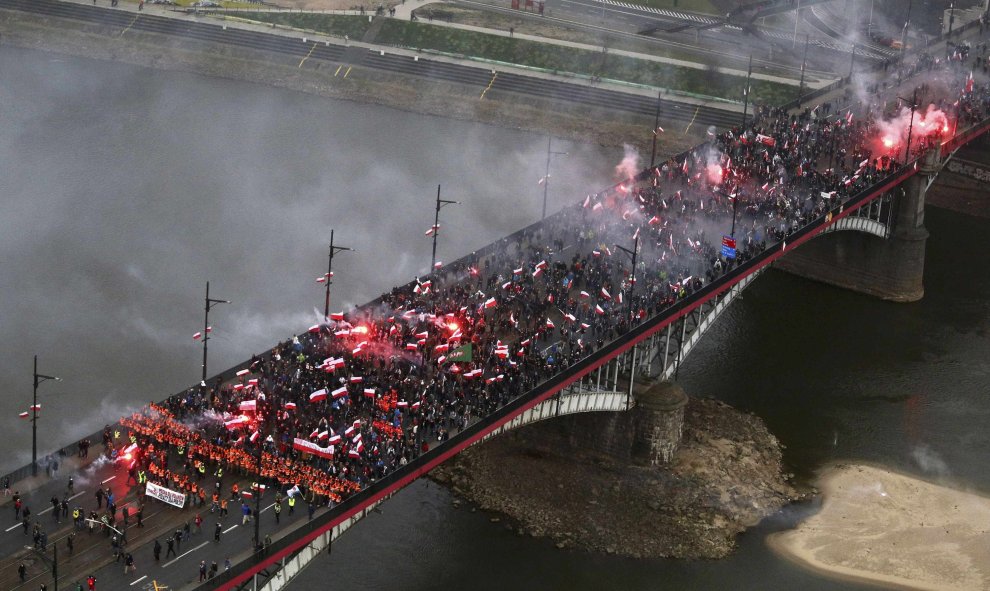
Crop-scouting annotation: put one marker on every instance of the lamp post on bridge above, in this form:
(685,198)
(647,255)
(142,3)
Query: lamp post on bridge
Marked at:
(914,105)
(746,89)
(263,412)
(436,225)
(656,133)
(38,378)
(210,302)
(546,178)
(804,64)
(329,278)
(632,277)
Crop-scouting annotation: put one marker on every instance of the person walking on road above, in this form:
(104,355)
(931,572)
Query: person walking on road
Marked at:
(91,581)
(157,550)
(202,571)
(278,510)
(170,541)
(217,532)
(22,572)
(246,512)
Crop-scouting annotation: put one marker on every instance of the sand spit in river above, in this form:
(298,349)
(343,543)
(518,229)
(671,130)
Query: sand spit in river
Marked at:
(894,530)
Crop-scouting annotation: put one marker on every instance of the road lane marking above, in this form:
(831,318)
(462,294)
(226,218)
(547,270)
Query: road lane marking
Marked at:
(692,119)
(139,580)
(15,526)
(339,68)
(347,72)
(109,479)
(233,527)
(130,25)
(183,554)
(268,507)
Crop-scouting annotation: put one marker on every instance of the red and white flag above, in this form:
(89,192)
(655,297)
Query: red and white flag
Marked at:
(243,372)
(599,310)
(337,316)
(490,303)
(433,230)
(290,405)
(24,415)
(248,405)
(312,448)
(369,392)
(339,392)
(318,395)
(197,336)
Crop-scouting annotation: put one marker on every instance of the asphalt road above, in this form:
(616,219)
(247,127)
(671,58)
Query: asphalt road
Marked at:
(330,55)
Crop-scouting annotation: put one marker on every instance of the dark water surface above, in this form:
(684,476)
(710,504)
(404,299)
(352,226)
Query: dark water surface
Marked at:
(123,190)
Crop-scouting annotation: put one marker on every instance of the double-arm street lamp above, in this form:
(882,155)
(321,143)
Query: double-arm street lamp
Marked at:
(329,278)
(38,378)
(436,225)
(632,277)
(210,302)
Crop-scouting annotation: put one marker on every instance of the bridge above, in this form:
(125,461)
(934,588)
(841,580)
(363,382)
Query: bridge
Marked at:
(583,347)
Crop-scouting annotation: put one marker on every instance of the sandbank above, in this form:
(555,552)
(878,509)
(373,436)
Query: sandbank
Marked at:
(885,528)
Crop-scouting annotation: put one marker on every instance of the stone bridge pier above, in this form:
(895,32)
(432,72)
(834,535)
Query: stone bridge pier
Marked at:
(649,433)
(889,268)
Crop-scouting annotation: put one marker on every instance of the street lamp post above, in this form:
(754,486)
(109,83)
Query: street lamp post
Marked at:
(914,105)
(546,179)
(656,134)
(804,64)
(329,278)
(436,225)
(952,16)
(38,378)
(210,302)
(632,276)
(749,74)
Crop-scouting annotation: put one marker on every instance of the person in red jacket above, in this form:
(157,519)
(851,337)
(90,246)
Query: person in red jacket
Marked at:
(91,581)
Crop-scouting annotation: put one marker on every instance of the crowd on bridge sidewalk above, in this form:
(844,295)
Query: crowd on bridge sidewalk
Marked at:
(364,393)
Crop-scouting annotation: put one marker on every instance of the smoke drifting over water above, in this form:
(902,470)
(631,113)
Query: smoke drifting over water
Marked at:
(121,201)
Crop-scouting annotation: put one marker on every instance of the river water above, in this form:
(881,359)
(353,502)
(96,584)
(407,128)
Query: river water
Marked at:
(123,190)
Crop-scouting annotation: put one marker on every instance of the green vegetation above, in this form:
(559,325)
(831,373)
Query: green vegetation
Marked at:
(331,24)
(555,58)
(579,61)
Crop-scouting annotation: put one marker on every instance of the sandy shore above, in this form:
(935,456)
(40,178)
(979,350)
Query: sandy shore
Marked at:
(893,530)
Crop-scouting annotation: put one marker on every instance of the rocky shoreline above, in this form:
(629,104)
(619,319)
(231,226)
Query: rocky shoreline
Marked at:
(726,476)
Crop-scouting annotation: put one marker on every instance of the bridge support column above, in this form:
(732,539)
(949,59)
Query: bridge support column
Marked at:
(659,418)
(890,269)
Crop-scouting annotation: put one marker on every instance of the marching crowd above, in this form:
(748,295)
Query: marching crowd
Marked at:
(364,393)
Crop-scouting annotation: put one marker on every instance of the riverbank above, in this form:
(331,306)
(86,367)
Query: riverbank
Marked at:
(885,528)
(726,476)
(449,100)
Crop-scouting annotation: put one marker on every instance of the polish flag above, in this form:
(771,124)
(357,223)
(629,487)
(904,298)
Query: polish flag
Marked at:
(290,406)
(411,346)
(321,279)
(585,326)
(437,265)
(441,359)
(653,221)
(585,294)
(587,200)
(507,285)
(323,435)
(549,323)
(597,207)
(34,407)
(766,140)
(570,317)
(525,343)
(23,415)
(596,253)
(253,382)
(310,448)
(318,395)
(441,348)
(599,310)
(490,303)
(422,335)
(605,294)
(337,316)
(254,436)
(334,440)
(238,387)
(314,328)
(502,353)
(247,495)
(243,372)
(369,392)
(541,265)
(416,405)
(402,404)
(248,405)
(432,230)
(356,379)
(197,336)
(338,393)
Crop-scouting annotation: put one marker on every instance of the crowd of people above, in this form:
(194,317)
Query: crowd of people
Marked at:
(365,392)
